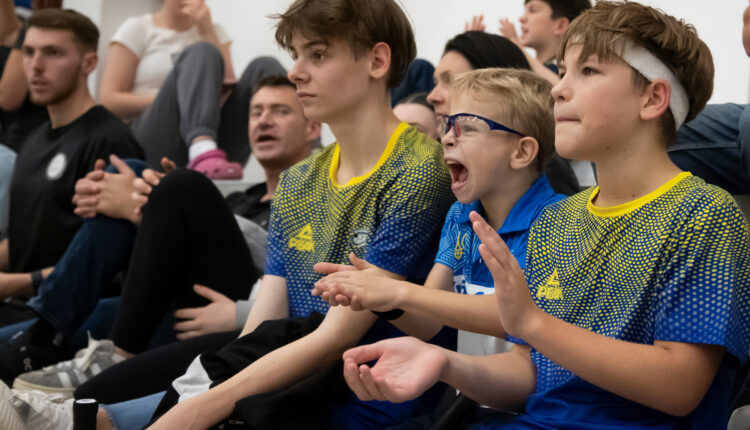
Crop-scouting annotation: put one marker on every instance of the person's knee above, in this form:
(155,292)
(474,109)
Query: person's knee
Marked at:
(204,52)
(177,186)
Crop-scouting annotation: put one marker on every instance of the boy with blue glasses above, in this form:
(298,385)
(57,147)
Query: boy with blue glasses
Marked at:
(496,142)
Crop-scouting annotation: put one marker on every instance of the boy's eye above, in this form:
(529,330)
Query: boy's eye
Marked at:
(317,55)
(588,71)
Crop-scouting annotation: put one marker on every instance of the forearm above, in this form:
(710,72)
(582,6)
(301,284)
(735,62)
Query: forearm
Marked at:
(668,376)
(271,303)
(9,24)
(4,256)
(502,381)
(540,69)
(474,313)
(126,105)
(292,362)
(20,284)
(13,86)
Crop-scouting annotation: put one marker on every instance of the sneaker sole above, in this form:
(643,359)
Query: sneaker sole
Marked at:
(8,415)
(20,384)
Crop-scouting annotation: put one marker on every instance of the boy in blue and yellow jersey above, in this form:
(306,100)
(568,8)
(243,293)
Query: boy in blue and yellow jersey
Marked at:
(501,127)
(633,310)
(380,192)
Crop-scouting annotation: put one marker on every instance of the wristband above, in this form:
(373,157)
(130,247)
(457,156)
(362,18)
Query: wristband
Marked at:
(36,280)
(389,315)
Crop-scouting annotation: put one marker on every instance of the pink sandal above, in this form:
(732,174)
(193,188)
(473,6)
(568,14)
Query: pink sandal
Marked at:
(214,164)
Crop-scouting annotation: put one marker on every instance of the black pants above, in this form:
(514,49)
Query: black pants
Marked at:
(187,236)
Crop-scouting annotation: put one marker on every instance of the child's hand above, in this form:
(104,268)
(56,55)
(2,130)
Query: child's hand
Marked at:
(508,30)
(515,306)
(405,368)
(476,24)
(361,286)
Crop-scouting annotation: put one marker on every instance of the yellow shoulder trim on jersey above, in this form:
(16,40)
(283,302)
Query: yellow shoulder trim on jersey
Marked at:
(619,210)
(384,156)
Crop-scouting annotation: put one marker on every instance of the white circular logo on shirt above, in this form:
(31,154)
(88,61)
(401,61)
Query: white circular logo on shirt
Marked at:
(57,166)
(359,237)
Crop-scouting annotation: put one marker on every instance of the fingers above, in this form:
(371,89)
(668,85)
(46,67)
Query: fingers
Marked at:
(187,325)
(95,175)
(189,334)
(329,268)
(364,353)
(188,313)
(140,199)
(99,164)
(141,187)
(209,293)
(168,165)
(152,177)
(490,238)
(86,187)
(351,375)
(122,167)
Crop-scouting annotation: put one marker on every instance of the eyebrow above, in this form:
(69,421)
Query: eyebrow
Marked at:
(272,106)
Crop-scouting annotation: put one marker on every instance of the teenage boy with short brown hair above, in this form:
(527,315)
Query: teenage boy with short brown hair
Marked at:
(631,312)
(381,192)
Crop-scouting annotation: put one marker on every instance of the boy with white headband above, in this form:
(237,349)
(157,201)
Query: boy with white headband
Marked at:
(633,308)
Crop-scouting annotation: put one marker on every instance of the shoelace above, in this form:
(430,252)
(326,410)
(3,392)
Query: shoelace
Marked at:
(83,362)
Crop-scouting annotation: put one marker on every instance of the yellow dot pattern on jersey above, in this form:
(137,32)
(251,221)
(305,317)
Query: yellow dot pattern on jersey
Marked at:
(392,216)
(674,266)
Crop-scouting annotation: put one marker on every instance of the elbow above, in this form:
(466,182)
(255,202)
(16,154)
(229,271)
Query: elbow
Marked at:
(680,404)
(10,103)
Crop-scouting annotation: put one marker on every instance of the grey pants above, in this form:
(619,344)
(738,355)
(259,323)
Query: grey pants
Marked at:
(188,106)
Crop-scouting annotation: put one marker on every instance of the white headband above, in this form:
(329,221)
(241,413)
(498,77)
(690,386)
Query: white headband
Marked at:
(642,60)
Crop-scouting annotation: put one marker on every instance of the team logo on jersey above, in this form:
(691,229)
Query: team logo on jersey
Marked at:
(552,289)
(57,166)
(359,237)
(303,240)
(458,251)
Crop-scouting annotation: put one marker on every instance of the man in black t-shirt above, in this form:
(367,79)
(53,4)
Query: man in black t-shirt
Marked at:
(186,235)
(59,53)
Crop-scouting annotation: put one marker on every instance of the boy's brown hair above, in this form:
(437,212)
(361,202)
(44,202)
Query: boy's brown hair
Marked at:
(84,31)
(604,30)
(363,23)
(524,103)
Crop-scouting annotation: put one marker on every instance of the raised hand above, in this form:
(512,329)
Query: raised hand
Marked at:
(508,30)
(476,23)
(515,306)
(405,368)
(200,13)
(143,186)
(217,316)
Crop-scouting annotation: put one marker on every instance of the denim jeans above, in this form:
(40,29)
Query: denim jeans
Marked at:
(97,324)
(133,414)
(99,251)
(716,146)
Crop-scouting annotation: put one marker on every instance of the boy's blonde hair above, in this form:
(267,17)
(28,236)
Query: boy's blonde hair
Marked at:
(605,29)
(524,103)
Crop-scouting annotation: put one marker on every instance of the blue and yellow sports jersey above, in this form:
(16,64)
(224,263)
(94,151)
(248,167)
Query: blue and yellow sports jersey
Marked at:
(391,216)
(459,250)
(672,266)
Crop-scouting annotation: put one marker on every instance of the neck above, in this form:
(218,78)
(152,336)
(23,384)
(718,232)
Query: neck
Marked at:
(636,169)
(66,111)
(498,205)
(173,20)
(547,53)
(362,135)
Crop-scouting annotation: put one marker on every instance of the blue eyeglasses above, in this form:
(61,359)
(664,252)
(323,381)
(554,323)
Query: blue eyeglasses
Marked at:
(468,123)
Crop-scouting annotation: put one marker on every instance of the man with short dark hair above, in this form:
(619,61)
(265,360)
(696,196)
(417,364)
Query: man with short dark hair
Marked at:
(59,53)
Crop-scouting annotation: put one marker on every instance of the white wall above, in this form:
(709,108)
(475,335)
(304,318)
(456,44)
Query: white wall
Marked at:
(719,24)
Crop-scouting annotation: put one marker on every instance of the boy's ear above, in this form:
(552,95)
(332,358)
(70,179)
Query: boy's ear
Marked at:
(380,62)
(559,26)
(525,153)
(655,99)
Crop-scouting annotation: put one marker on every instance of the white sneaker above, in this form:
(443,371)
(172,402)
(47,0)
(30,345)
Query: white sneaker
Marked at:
(34,410)
(65,376)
